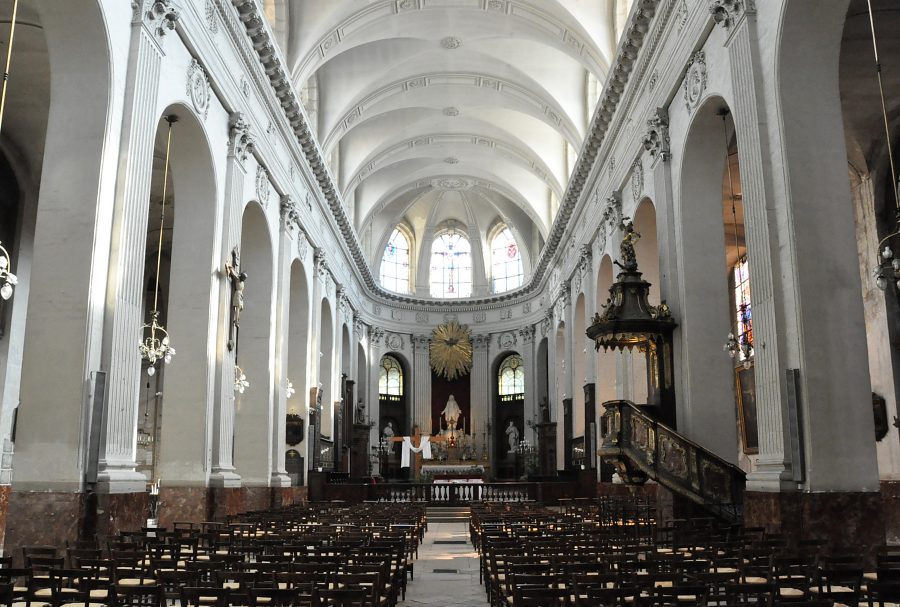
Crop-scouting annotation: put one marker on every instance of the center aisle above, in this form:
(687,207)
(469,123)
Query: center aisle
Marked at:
(446,573)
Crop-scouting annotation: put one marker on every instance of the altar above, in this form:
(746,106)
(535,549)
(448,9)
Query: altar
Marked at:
(455,473)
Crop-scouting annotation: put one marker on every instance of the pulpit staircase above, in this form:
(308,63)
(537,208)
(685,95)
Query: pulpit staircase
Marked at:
(643,448)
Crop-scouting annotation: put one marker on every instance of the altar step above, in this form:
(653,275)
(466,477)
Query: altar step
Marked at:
(447,514)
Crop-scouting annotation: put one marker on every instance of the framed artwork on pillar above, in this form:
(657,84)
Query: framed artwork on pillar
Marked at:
(745,393)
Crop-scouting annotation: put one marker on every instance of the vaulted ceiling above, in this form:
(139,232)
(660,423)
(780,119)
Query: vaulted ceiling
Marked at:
(485,99)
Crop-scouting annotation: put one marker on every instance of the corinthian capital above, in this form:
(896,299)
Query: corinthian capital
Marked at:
(656,139)
(159,16)
(240,139)
(728,12)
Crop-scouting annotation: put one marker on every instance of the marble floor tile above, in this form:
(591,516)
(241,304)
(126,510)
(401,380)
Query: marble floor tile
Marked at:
(446,574)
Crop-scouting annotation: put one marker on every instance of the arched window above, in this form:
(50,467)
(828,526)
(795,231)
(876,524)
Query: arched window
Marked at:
(506,262)
(512,376)
(743,309)
(395,263)
(451,265)
(390,377)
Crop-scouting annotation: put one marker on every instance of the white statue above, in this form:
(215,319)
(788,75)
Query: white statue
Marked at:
(388,431)
(451,413)
(512,436)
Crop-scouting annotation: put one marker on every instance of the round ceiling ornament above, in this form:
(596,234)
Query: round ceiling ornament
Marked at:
(451,350)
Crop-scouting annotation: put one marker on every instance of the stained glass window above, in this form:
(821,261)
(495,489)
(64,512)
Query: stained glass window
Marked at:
(451,265)
(390,377)
(512,376)
(395,263)
(506,262)
(743,309)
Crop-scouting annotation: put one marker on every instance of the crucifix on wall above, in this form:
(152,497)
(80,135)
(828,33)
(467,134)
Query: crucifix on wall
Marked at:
(237,278)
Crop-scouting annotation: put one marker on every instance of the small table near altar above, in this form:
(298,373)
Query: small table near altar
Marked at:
(461,472)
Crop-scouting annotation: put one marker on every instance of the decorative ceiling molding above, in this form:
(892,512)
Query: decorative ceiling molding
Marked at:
(549,112)
(630,46)
(562,35)
(523,158)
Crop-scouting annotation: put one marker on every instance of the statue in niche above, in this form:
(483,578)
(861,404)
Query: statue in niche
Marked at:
(628,261)
(388,432)
(512,436)
(545,411)
(237,278)
(451,413)
(360,412)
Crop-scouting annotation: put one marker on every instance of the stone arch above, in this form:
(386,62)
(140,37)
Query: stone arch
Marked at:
(298,342)
(838,440)
(326,366)
(606,360)
(580,344)
(255,351)
(72,205)
(190,282)
(706,374)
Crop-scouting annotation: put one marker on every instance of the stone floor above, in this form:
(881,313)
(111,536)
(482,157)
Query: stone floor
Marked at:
(446,574)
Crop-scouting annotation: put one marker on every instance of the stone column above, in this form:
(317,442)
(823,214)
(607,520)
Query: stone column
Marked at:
(589,288)
(421,404)
(816,324)
(566,381)
(288,224)
(480,386)
(376,336)
(773,462)
(240,147)
(529,360)
(125,287)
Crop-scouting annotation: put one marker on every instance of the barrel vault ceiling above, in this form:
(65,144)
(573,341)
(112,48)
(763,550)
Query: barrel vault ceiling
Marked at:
(433,112)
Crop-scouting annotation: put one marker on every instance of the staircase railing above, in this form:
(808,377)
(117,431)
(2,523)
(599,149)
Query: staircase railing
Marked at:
(642,448)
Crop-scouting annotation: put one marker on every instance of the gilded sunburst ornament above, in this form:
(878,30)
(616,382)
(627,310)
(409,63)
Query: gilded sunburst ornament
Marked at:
(451,350)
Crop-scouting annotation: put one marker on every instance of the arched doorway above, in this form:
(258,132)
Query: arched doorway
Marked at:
(393,407)
(509,415)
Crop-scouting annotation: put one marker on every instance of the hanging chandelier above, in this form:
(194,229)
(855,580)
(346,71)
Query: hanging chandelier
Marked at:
(887,268)
(155,345)
(742,344)
(8,280)
(289,390)
(240,380)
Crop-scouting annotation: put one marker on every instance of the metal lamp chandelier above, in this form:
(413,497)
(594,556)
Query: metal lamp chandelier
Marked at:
(155,345)
(8,280)
(734,346)
(887,270)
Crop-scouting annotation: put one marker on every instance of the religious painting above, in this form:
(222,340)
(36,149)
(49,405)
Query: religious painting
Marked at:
(745,391)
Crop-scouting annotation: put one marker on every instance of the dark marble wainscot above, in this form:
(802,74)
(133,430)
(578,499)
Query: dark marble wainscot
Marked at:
(257,498)
(846,521)
(225,502)
(4,510)
(288,496)
(119,512)
(44,518)
(189,504)
(890,506)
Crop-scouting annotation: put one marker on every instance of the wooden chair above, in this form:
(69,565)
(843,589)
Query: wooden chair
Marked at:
(137,596)
(192,596)
(341,598)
